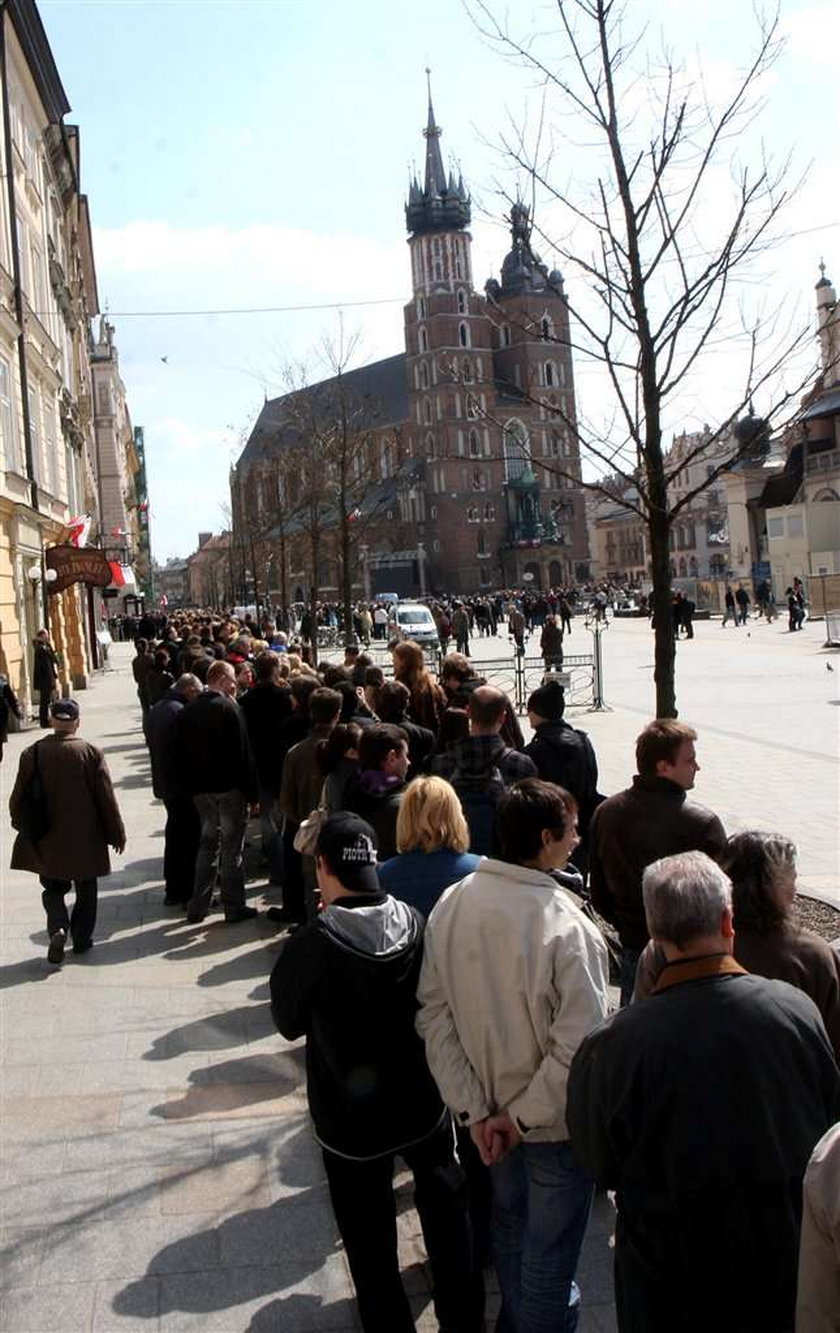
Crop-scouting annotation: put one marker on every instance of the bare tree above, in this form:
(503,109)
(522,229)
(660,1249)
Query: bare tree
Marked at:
(661,275)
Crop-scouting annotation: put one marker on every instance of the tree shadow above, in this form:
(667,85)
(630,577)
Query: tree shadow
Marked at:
(245,1257)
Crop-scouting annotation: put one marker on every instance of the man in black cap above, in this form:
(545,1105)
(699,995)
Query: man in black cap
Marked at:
(347,982)
(83,820)
(565,756)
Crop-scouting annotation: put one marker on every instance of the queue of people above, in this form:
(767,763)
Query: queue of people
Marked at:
(445,967)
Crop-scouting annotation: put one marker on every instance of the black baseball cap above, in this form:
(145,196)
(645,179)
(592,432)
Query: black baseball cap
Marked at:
(65,710)
(348,845)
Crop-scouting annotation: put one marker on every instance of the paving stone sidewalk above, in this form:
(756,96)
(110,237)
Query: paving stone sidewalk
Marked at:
(158,1168)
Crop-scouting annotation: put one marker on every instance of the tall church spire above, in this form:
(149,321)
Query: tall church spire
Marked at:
(440,204)
(435,178)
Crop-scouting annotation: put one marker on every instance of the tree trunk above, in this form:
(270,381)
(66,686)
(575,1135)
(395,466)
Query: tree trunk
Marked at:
(665,648)
(346,570)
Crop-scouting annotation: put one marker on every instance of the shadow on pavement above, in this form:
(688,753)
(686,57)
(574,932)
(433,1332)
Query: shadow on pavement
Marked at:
(257,963)
(232,1087)
(217,1032)
(302,1313)
(244,1257)
(29,969)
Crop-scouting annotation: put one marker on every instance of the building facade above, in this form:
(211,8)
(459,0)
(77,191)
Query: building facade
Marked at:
(49,468)
(468,466)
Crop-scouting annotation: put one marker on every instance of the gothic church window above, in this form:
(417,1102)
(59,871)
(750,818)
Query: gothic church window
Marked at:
(424,375)
(550,374)
(462,303)
(489,513)
(472,514)
(466,373)
(475,447)
(422,339)
(516,449)
(463,335)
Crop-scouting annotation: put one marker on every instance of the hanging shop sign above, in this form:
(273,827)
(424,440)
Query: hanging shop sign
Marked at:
(74,564)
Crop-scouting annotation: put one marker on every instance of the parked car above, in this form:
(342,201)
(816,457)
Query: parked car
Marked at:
(412,620)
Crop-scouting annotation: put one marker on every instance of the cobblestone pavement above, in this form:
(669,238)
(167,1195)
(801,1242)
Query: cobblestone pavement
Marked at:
(157,1163)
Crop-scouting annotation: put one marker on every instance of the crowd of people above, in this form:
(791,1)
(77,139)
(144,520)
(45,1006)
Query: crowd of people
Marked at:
(454,897)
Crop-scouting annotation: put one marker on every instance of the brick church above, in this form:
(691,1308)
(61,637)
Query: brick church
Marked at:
(470,459)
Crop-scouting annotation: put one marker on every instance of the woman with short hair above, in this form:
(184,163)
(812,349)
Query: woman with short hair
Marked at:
(432,842)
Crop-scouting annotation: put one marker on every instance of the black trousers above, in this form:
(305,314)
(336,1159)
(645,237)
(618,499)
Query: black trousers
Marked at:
(81,922)
(294,890)
(364,1204)
(180,847)
(44,697)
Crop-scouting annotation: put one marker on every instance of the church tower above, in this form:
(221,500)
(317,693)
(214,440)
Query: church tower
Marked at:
(449,365)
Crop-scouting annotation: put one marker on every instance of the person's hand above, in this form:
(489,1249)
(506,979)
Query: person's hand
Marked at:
(494,1137)
(119,847)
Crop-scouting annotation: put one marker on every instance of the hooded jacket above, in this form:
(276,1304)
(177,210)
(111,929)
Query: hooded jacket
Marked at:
(348,983)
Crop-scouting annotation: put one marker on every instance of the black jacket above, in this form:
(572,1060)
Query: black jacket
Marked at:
(348,983)
(565,756)
(161,728)
(379,806)
(701,1106)
(44,667)
(266,708)
(651,819)
(213,747)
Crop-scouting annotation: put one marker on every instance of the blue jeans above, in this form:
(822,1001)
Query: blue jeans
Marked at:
(541,1202)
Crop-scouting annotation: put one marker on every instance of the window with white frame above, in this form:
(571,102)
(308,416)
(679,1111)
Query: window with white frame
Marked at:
(50,447)
(430,445)
(422,339)
(8,424)
(472,514)
(550,376)
(475,445)
(35,430)
(424,375)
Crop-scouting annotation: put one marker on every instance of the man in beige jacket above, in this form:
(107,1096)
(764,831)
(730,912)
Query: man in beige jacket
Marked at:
(514,977)
(818,1296)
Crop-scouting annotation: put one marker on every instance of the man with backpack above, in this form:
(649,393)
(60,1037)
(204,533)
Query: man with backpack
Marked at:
(482,767)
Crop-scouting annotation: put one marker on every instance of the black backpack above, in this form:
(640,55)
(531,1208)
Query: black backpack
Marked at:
(479,795)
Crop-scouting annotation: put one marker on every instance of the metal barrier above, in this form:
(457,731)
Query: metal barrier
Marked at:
(519,675)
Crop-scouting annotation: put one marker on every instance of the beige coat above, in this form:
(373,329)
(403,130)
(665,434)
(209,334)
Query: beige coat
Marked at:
(818,1299)
(514,977)
(84,816)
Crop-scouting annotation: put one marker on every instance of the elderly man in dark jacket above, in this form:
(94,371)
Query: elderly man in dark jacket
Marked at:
(84,820)
(700,1106)
(218,772)
(651,819)
(180,837)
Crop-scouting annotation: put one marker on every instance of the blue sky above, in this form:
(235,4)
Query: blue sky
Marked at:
(241,155)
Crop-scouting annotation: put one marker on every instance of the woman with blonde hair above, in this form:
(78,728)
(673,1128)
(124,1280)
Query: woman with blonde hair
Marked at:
(432,842)
(427,698)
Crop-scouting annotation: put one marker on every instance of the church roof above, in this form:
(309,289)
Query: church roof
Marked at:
(381,386)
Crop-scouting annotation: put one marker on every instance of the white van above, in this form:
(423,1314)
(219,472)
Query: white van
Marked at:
(412,620)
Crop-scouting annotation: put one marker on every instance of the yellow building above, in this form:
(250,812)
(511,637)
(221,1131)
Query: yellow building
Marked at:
(47,298)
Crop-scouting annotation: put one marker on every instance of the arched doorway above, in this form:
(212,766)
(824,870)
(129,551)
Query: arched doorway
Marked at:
(533,568)
(555,574)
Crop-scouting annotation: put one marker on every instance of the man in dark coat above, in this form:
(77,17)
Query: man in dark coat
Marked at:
(84,820)
(651,819)
(565,756)
(44,675)
(219,773)
(700,1106)
(180,836)
(266,707)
